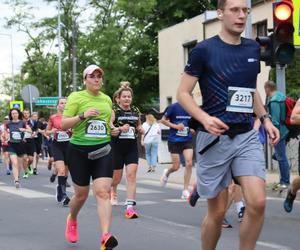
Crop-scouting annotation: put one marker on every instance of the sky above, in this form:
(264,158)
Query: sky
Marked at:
(41,9)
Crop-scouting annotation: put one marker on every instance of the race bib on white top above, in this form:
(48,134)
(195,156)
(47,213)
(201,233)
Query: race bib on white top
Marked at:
(27,135)
(128,135)
(62,136)
(183,133)
(16,136)
(96,129)
(240,100)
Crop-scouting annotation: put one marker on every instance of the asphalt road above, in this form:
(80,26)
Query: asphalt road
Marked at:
(30,219)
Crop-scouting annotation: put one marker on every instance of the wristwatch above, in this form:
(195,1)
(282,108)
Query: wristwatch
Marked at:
(81,116)
(264,117)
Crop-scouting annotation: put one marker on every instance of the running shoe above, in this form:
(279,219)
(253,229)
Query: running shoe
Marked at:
(193,197)
(52,178)
(30,170)
(108,242)
(164,178)
(153,169)
(185,194)
(71,230)
(17,184)
(149,170)
(25,175)
(131,213)
(35,171)
(59,193)
(66,201)
(241,214)
(114,199)
(289,201)
(226,224)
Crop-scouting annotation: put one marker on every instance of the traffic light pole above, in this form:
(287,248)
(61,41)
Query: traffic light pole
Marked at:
(280,78)
(280,74)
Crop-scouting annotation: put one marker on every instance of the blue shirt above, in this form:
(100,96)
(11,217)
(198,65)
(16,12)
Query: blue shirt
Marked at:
(219,65)
(176,114)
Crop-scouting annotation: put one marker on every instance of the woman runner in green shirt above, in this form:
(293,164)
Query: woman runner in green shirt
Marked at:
(88,113)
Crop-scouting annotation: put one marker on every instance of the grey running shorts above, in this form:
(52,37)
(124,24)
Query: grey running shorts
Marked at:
(224,158)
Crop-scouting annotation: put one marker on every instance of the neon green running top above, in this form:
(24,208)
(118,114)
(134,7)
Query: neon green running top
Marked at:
(93,130)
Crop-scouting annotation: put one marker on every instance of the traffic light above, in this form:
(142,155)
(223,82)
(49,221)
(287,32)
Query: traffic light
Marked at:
(283,47)
(278,47)
(266,51)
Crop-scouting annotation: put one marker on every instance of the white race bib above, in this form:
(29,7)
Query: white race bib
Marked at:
(16,136)
(62,136)
(128,135)
(240,100)
(96,129)
(27,135)
(183,133)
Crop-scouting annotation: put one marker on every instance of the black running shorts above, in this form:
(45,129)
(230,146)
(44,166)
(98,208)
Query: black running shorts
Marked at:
(82,169)
(125,152)
(29,147)
(16,149)
(59,150)
(178,147)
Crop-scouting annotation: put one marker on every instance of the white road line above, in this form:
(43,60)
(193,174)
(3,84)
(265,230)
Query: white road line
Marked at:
(279,199)
(171,223)
(140,190)
(157,184)
(24,192)
(273,245)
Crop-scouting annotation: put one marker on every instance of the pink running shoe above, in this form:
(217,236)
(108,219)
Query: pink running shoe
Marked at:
(131,213)
(71,230)
(108,242)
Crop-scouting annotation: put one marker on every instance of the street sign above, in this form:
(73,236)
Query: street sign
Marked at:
(30,93)
(46,101)
(296,21)
(16,104)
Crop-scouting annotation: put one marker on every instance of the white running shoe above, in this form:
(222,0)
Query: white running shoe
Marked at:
(164,178)
(185,194)
(114,199)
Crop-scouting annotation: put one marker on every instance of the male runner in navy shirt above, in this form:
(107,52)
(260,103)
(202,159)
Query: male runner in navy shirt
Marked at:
(226,67)
(179,142)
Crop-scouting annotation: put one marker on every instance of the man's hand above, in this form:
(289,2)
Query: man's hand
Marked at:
(272,131)
(180,126)
(214,125)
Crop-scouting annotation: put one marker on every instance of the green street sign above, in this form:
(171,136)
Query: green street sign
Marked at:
(46,101)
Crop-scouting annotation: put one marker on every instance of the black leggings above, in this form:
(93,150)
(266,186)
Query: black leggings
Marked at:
(82,169)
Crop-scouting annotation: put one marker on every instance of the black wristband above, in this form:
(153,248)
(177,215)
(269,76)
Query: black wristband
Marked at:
(81,116)
(264,117)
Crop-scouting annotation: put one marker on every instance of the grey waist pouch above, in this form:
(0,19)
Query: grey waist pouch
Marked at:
(94,155)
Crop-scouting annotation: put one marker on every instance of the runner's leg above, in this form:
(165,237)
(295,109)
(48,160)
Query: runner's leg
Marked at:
(212,223)
(253,188)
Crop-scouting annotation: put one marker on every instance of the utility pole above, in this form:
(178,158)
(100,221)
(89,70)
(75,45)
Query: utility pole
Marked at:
(248,29)
(59,52)
(74,54)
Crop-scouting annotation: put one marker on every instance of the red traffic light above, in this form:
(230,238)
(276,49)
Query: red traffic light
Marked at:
(283,10)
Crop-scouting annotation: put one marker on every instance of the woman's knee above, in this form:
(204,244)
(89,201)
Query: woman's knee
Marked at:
(102,193)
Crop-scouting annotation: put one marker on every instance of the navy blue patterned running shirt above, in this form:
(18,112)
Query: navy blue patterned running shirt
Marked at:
(218,66)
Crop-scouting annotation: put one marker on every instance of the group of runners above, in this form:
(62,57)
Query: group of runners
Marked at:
(94,138)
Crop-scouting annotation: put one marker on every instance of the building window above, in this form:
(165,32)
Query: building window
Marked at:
(262,28)
(187,47)
(169,100)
